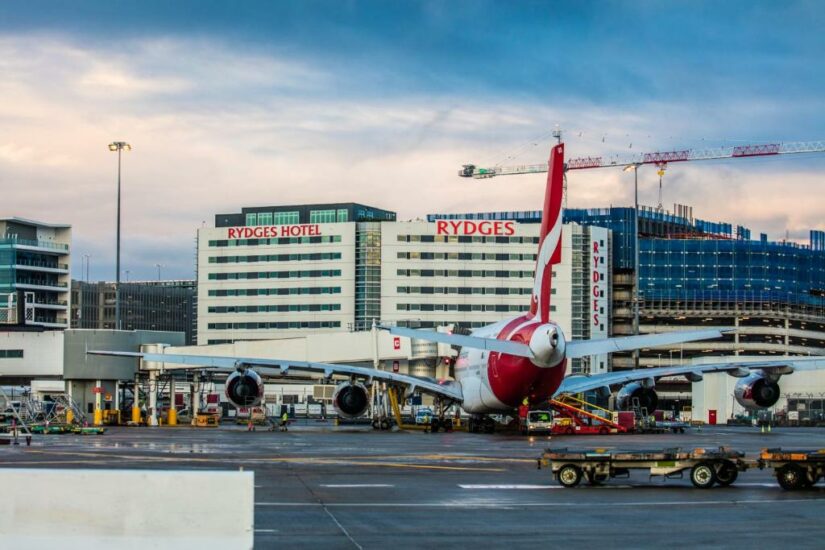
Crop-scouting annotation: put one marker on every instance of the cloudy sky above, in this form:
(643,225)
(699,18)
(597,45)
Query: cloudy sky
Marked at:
(231,104)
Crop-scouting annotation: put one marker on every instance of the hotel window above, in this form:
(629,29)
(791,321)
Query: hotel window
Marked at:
(252,219)
(286,218)
(264,218)
(322,216)
(342,214)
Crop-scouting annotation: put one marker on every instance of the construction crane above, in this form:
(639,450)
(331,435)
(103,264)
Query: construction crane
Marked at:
(660,158)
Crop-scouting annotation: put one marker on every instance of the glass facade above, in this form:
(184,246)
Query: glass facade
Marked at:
(367,274)
(303,214)
(730,270)
(42,274)
(818,240)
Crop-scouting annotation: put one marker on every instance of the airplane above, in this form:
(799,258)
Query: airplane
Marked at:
(500,365)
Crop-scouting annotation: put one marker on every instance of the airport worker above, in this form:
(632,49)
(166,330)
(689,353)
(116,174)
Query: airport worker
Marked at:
(523,411)
(284,420)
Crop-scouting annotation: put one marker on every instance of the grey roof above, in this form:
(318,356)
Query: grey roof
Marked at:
(34,222)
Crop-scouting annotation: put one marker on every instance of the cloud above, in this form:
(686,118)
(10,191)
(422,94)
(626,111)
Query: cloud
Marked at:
(216,127)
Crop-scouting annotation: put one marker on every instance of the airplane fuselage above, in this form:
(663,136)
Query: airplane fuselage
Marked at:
(493,382)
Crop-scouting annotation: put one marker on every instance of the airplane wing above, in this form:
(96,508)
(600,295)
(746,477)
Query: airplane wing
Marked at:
(582,348)
(779,365)
(492,344)
(575,349)
(276,368)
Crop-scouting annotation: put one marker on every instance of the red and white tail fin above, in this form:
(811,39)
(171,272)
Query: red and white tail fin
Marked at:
(550,238)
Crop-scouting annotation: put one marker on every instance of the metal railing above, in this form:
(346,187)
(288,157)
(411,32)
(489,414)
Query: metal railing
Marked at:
(41,282)
(33,263)
(38,244)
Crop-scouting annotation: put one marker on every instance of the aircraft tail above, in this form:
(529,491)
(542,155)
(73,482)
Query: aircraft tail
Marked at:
(550,237)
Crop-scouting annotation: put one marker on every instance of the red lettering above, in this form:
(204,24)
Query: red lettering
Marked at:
(595,305)
(595,247)
(595,276)
(595,262)
(596,291)
(596,319)
(469,227)
(231,233)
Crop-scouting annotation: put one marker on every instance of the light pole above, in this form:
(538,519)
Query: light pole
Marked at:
(86,259)
(635,168)
(118,146)
(159,266)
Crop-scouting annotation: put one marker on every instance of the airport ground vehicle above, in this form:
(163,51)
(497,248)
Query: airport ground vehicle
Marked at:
(423,415)
(538,422)
(794,469)
(706,467)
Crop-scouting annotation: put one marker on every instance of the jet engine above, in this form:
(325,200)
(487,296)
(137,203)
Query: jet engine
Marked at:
(756,391)
(244,388)
(627,396)
(548,345)
(351,399)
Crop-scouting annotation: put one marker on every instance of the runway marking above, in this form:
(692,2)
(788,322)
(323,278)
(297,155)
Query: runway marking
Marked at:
(576,504)
(267,531)
(354,485)
(475,458)
(252,461)
(511,486)
(341,527)
(401,465)
(35,462)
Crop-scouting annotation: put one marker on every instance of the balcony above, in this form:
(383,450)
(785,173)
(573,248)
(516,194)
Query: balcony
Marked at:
(36,246)
(25,283)
(51,324)
(42,267)
(60,305)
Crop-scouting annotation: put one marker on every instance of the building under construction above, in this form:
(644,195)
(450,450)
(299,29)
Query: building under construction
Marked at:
(695,273)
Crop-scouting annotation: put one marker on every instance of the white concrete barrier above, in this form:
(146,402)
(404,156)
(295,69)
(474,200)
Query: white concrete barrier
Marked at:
(126,509)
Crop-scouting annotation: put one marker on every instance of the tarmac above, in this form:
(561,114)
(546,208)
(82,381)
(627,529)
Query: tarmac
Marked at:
(351,487)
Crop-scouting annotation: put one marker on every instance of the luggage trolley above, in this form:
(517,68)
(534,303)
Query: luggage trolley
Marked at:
(794,469)
(707,467)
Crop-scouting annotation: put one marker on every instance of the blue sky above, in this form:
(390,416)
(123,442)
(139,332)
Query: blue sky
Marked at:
(238,103)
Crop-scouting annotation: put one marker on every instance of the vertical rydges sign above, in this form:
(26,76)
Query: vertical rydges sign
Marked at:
(598,285)
(599,295)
